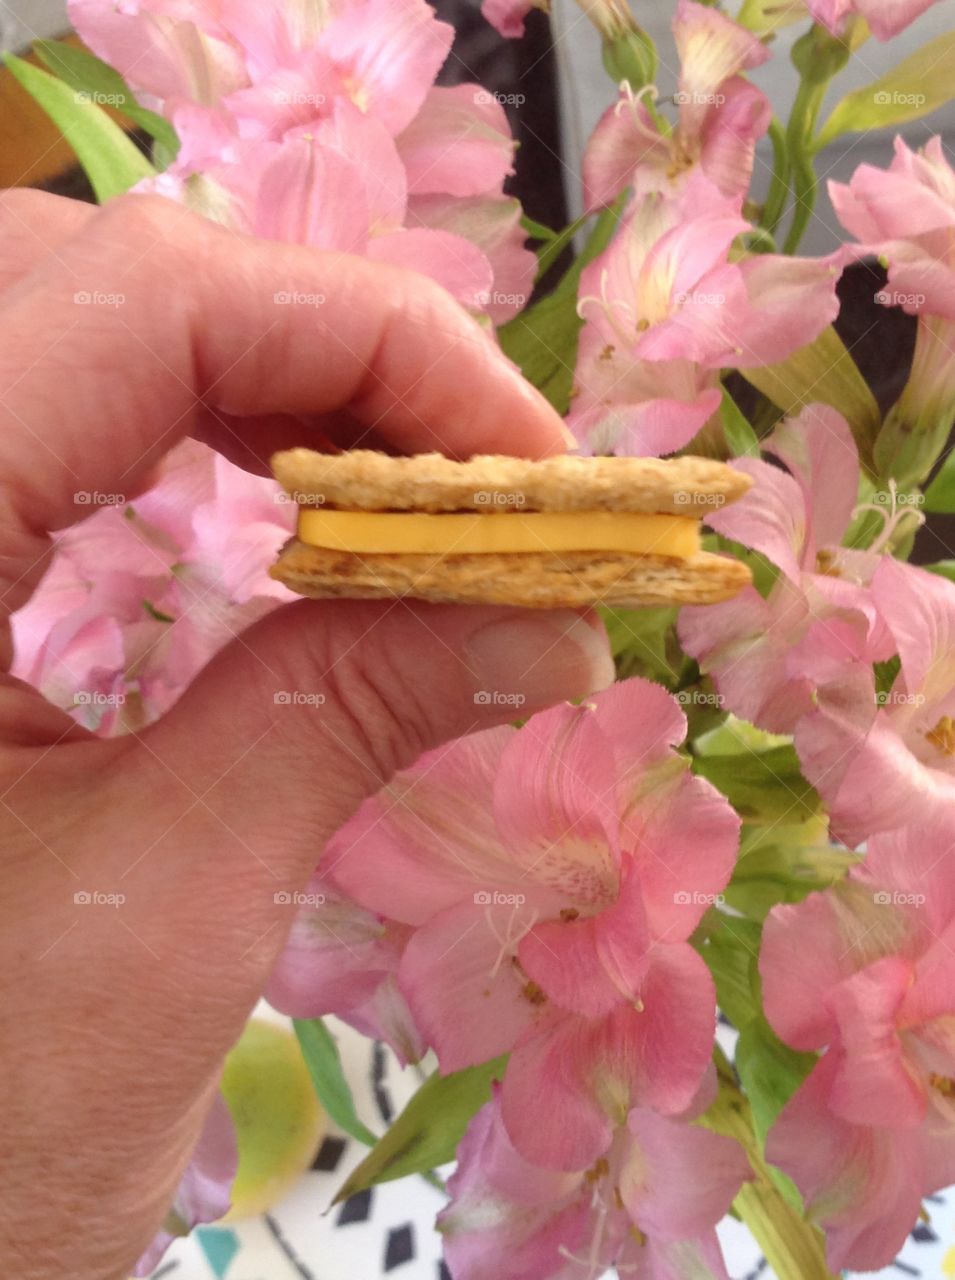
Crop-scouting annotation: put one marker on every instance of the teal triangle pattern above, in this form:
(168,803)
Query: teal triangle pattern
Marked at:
(220,1245)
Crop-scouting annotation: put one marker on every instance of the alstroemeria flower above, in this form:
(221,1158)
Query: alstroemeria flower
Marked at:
(906,215)
(204,1193)
(140,595)
(174,51)
(341,959)
(903,768)
(886,18)
(649,1204)
(666,306)
(384,54)
(866,972)
(721,116)
(329,131)
(551,876)
(819,622)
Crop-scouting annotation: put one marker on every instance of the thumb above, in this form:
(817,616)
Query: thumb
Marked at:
(319,704)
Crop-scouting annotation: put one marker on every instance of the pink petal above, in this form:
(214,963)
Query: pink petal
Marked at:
(712,49)
(919,608)
(818,448)
(508,1218)
(554,804)
(875,1084)
(746,646)
(453,262)
(494,225)
(870,780)
(459,143)
(589,966)
(900,203)
(428,841)
(791,301)
(683,837)
(162,48)
(805,953)
(367,144)
(467,996)
(860,1184)
(624,139)
(389,52)
(341,959)
(592,1072)
(296,203)
(889,17)
(685,1177)
(729,135)
(770,518)
(507,16)
(204,1193)
(917,859)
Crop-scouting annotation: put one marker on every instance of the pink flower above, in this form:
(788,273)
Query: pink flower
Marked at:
(906,215)
(650,1204)
(140,595)
(887,18)
(819,624)
(551,876)
(174,51)
(721,117)
(902,769)
(205,1190)
(329,131)
(341,959)
(665,308)
(865,972)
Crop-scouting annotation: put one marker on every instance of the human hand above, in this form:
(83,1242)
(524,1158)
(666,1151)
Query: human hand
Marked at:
(117,1021)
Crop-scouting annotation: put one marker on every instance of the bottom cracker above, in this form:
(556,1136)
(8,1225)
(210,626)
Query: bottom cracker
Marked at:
(536,580)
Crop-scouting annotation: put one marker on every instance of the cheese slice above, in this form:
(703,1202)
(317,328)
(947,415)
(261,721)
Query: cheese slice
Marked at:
(512,532)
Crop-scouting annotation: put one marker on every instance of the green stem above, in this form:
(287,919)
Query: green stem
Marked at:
(792,1246)
(775,204)
(799,140)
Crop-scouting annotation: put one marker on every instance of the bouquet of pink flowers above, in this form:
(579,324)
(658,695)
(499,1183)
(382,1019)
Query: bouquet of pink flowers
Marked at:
(759,816)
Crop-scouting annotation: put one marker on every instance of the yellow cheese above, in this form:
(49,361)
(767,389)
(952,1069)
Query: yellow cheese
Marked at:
(467,533)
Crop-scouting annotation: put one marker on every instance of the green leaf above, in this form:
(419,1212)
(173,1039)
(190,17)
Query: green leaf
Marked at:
(643,642)
(542,340)
(551,251)
(823,372)
(112,162)
(537,230)
(783,863)
(88,75)
(940,495)
(740,436)
(944,569)
(769,1071)
(325,1067)
(918,85)
(731,951)
(428,1131)
(762,786)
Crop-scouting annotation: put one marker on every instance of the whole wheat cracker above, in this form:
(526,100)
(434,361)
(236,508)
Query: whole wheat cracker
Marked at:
(544,580)
(364,480)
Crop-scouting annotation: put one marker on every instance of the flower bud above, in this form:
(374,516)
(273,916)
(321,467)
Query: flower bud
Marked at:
(631,57)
